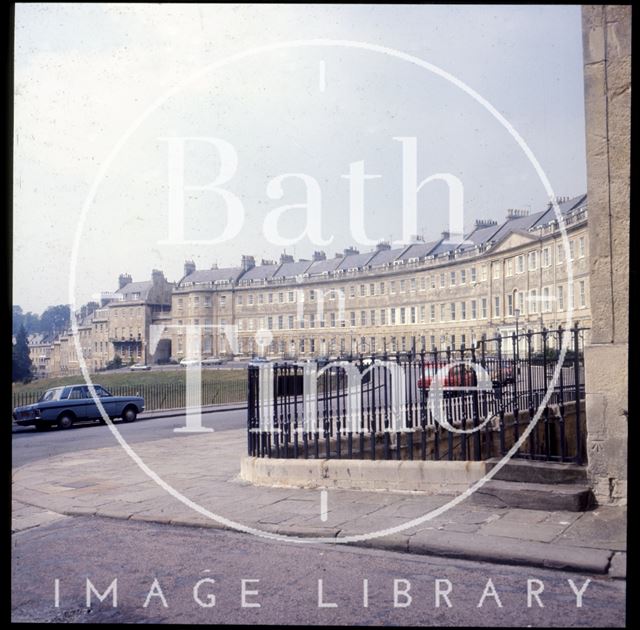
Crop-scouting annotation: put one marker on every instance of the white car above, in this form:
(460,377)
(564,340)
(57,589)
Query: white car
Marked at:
(212,361)
(139,367)
(205,361)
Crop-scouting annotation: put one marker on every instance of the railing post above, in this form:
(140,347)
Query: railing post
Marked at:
(530,394)
(563,446)
(547,428)
(501,428)
(409,403)
(477,453)
(423,409)
(515,371)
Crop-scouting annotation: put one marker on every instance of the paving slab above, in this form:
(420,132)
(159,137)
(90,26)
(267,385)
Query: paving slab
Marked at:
(542,532)
(105,482)
(602,528)
(24,517)
(618,568)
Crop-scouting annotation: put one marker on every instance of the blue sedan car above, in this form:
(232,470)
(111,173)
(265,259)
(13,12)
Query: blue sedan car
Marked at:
(63,406)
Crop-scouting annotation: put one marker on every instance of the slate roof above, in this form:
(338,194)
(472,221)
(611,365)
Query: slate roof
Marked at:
(522,224)
(292,269)
(318,267)
(442,247)
(212,276)
(38,338)
(142,288)
(353,261)
(478,236)
(565,207)
(259,272)
(386,256)
(417,250)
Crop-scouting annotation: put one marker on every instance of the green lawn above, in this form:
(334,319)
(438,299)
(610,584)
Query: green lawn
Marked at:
(153,377)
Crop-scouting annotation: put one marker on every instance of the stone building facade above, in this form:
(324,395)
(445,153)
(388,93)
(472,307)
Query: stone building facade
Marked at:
(119,326)
(502,277)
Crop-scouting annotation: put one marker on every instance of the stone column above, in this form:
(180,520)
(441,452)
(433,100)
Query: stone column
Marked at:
(606,33)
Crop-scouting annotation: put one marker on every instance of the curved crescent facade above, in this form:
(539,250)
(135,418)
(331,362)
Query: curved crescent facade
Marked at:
(502,277)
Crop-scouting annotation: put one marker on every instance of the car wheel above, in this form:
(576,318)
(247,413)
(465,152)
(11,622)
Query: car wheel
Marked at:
(129,414)
(66,422)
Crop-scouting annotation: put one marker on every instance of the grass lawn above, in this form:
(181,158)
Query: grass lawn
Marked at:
(153,377)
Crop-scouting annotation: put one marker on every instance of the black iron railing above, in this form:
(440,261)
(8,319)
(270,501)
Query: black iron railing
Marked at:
(163,395)
(468,403)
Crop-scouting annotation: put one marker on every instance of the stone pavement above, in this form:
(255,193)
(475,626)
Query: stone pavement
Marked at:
(204,468)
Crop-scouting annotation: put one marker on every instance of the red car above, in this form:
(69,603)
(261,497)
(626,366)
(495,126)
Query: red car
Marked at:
(459,375)
(463,375)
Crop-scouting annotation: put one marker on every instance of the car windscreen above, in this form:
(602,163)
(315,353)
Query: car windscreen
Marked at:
(51,394)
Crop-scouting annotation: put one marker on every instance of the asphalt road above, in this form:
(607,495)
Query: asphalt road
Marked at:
(29,445)
(77,548)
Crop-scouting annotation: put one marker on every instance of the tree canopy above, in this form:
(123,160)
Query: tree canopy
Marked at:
(21,365)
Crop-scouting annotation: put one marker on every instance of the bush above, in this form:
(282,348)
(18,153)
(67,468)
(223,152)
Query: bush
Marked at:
(115,363)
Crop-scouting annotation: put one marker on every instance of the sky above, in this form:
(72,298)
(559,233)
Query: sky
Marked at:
(274,133)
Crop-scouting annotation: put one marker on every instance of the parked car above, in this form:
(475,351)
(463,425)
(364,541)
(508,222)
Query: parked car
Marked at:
(459,375)
(203,362)
(504,374)
(463,375)
(138,367)
(64,406)
(212,361)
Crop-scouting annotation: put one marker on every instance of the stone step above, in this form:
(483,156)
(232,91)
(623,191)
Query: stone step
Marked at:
(539,472)
(534,496)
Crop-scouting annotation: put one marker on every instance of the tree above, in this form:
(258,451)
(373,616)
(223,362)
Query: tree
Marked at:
(21,360)
(31,321)
(55,319)
(17,317)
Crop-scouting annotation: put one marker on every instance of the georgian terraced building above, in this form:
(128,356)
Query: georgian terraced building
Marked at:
(502,277)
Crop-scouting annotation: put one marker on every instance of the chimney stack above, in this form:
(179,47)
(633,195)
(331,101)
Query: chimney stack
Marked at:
(383,246)
(516,213)
(484,223)
(319,255)
(189,267)
(248,262)
(157,276)
(350,251)
(123,280)
(286,258)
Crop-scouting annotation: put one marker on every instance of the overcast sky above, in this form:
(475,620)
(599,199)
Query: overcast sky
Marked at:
(84,73)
